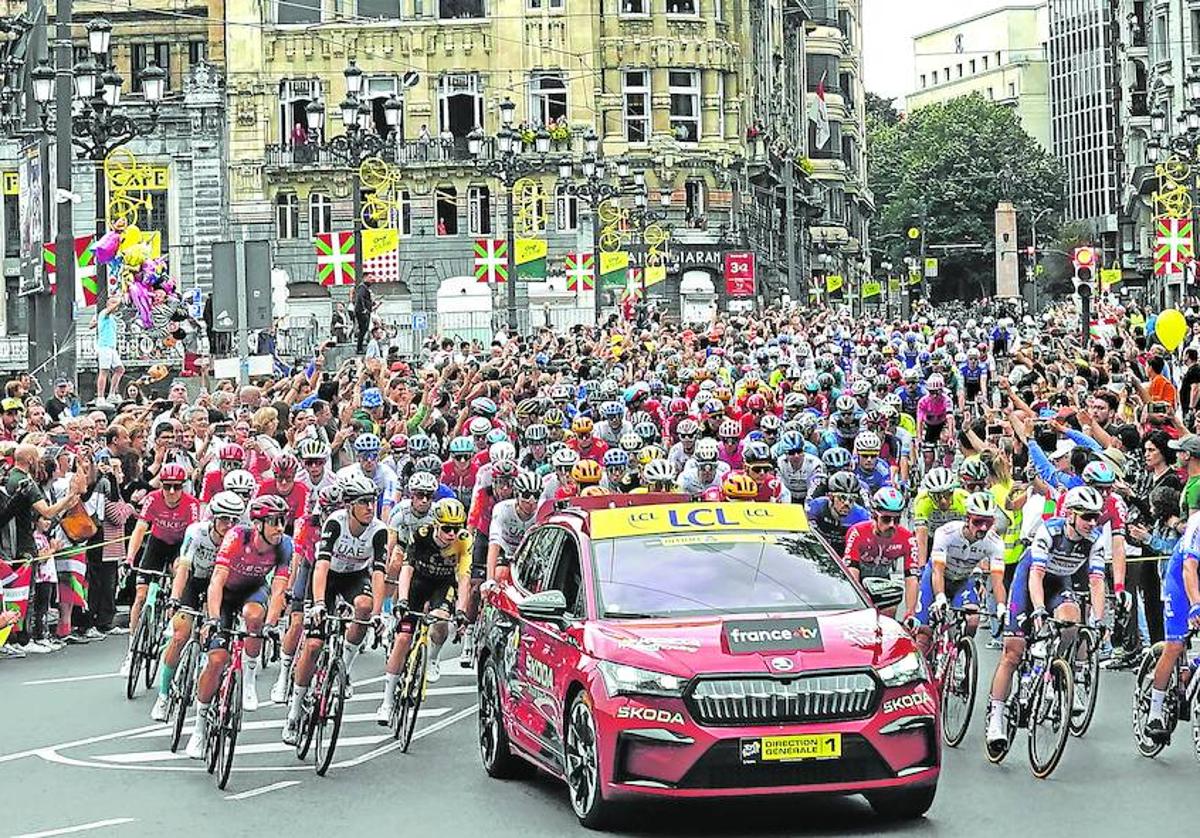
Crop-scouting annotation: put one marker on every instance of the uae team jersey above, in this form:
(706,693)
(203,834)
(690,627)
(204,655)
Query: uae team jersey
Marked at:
(249,565)
(169,523)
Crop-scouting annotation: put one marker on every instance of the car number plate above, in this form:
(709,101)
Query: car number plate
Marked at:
(792,748)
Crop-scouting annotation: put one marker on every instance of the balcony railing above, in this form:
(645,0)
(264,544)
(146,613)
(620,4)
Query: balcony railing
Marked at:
(433,151)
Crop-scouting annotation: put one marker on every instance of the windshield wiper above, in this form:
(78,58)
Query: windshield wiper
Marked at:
(629,615)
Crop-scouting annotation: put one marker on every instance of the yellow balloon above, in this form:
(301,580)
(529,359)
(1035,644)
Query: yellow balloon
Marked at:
(130,236)
(1171,328)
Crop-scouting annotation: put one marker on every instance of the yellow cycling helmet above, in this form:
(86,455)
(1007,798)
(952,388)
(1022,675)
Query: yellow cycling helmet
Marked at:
(649,453)
(738,486)
(586,472)
(581,425)
(594,491)
(450,512)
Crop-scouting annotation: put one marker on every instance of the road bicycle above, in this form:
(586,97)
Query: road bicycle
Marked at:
(225,713)
(146,647)
(181,693)
(1040,700)
(410,687)
(1084,658)
(954,662)
(320,720)
(1182,702)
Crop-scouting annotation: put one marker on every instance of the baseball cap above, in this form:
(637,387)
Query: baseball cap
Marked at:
(1116,458)
(11,404)
(1063,449)
(1189,444)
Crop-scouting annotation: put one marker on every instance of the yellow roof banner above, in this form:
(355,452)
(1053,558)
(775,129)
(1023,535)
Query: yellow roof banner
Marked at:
(871,288)
(684,518)
(378,241)
(834,283)
(529,250)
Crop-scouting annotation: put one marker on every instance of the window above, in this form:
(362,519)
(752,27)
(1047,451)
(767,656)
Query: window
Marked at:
(294,96)
(12,223)
(446,210)
(320,213)
(547,98)
(635,7)
(378,89)
(155,213)
(535,562)
(946,73)
(960,74)
(287,215)
(379,9)
(693,191)
(142,55)
(1195,31)
(720,104)
(1012,90)
(552,5)
(460,104)
(972,66)
(985,62)
(935,76)
(197,52)
(923,80)
(991,93)
(637,106)
(16,307)
(718,11)
(479,210)
(998,61)
(683,7)
(460,9)
(297,11)
(566,576)
(566,209)
(684,89)
(405,212)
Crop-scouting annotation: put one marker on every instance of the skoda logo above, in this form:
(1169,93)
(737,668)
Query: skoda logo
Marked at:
(782,664)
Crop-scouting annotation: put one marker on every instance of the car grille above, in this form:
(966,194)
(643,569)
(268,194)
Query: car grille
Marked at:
(763,700)
(721,767)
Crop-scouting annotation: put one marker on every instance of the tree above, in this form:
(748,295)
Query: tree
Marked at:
(881,112)
(950,163)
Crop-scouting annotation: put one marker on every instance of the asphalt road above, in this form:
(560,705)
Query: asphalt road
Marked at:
(77,758)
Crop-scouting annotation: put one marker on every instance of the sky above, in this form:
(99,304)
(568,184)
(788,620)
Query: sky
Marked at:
(888,30)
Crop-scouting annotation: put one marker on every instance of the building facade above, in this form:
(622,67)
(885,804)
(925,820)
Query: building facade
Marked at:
(1001,55)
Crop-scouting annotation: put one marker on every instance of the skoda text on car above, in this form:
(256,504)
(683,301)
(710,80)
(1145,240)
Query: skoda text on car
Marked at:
(646,647)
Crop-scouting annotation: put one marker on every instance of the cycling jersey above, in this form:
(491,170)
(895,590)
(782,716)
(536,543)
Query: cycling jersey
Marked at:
(1176,604)
(350,553)
(926,512)
(594,450)
(296,499)
(822,518)
(691,483)
(875,555)
(678,457)
(797,478)
(932,410)
(199,551)
(249,566)
(876,478)
(432,562)
(385,480)
(609,433)
(169,523)
(507,527)
(959,556)
(460,480)
(404,520)
(1068,565)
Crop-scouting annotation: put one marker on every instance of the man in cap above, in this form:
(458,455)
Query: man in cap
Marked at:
(11,412)
(61,401)
(1189,458)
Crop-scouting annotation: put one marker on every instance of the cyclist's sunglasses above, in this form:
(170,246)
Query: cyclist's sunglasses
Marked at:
(172,487)
(368,455)
(846,499)
(449,529)
(273,520)
(1090,517)
(758,469)
(687,436)
(730,440)
(529,495)
(887,519)
(422,496)
(320,463)
(980,522)
(462,458)
(942,497)
(227,520)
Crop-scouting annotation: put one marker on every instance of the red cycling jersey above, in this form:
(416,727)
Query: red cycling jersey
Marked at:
(769,490)
(168,523)
(594,451)
(297,499)
(214,482)
(875,556)
(249,565)
(306,539)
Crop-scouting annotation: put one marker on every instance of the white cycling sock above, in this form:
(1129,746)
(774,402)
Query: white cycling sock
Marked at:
(389,686)
(201,717)
(1157,698)
(252,664)
(285,667)
(298,695)
(435,650)
(996,721)
(348,656)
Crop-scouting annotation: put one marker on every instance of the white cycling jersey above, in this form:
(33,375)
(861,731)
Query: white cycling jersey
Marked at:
(198,549)
(508,528)
(960,556)
(349,553)
(404,520)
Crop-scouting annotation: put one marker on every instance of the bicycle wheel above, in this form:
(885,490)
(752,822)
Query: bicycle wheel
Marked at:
(328,714)
(1147,747)
(154,647)
(399,706)
(958,692)
(231,722)
(414,692)
(212,745)
(1086,667)
(1196,725)
(1050,718)
(136,660)
(180,695)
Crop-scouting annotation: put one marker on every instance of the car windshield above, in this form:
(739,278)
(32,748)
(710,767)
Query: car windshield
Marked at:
(718,573)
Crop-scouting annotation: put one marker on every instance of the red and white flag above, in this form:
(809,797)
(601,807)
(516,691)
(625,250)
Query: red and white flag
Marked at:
(820,114)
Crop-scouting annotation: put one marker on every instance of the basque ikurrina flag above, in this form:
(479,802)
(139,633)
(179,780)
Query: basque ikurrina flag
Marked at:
(335,258)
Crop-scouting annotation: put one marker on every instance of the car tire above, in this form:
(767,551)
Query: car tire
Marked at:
(903,804)
(581,766)
(494,749)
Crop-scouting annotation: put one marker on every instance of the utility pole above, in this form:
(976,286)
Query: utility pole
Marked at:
(64,243)
(40,304)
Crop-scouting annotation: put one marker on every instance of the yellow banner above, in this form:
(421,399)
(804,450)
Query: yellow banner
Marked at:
(529,250)
(871,289)
(379,241)
(12,183)
(834,283)
(1111,276)
(683,518)
(656,274)
(914,278)
(616,260)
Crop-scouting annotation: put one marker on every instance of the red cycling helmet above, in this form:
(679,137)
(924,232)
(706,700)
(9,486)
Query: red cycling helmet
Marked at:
(267,506)
(678,407)
(172,473)
(232,452)
(285,465)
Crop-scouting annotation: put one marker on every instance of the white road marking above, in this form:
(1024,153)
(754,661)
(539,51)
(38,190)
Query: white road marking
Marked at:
(91,740)
(283,784)
(69,679)
(366,681)
(420,734)
(255,748)
(277,724)
(83,827)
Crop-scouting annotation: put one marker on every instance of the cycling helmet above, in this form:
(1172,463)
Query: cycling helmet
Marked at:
(982,504)
(449,512)
(757,453)
(1083,499)
(646,431)
(791,442)
(935,383)
(496,435)
(593,492)
(419,445)
(478,426)
(582,425)
(630,442)
(729,429)
(315,449)
(554,418)
(430,463)
(268,506)
(241,481)
(1099,473)
(611,410)
(808,423)
(564,458)
(329,498)
(484,407)
(770,423)
(616,458)
(847,405)
(502,451)
(536,434)
(975,470)
(868,443)
(739,486)
(560,393)
(649,454)
(462,445)
(860,387)
(586,472)
(687,427)
(888,499)
(638,417)
(911,375)
(372,398)
(756,402)
(505,469)
(874,419)
(939,481)
(677,407)
(659,472)
(528,483)
(707,451)
(369,444)
(825,381)
(285,465)
(894,401)
(712,408)
(231,452)
(844,483)
(172,473)
(356,487)
(423,481)
(836,459)
(227,505)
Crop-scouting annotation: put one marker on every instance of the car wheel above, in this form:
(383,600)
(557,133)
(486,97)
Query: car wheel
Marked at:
(582,752)
(903,804)
(494,748)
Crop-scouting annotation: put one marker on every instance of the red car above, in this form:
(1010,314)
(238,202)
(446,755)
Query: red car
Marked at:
(646,646)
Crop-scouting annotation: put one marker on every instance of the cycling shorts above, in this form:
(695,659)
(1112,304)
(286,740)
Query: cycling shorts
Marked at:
(348,586)
(933,433)
(479,551)
(1175,610)
(232,602)
(425,594)
(157,556)
(960,593)
(1057,590)
(195,592)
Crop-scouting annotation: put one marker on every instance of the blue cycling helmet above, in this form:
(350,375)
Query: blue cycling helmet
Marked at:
(834,459)
(366,444)
(611,410)
(483,406)
(616,458)
(496,435)
(791,442)
(462,445)
(888,499)
(419,444)
(372,398)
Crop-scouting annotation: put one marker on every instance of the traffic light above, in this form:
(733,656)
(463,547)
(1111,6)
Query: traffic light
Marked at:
(913,237)
(1084,260)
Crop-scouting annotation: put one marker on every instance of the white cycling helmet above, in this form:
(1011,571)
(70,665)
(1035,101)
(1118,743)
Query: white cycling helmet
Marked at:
(227,505)
(1083,499)
(241,481)
(982,504)
(502,451)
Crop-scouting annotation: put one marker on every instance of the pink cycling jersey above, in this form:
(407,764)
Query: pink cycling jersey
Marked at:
(932,409)
(169,523)
(249,565)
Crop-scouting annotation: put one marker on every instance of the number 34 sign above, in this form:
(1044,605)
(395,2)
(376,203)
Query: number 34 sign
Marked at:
(739,274)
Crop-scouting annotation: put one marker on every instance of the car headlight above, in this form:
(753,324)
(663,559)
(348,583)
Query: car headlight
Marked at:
(622,679)
(909,669)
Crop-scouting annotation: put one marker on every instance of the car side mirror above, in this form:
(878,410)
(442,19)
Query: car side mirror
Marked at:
(884,593)
(547,606)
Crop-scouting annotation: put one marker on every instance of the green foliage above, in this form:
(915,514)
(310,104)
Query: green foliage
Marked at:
(881,112)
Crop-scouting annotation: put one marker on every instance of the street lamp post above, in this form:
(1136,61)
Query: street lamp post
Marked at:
(646,217)
(508,166)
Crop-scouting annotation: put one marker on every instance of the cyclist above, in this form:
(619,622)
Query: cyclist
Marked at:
(659,476)
(686,434)
(871,470)
(314,454)
(193,569)
(939,501)
(437,564)
(617,474)
(796,465)
(366,453)
(166,514)
(249,555)
(738,486)
(612,423)
(459,472)
(934,420)
(562,460)
(838,510)
(730,436)
(1064,552)
(1181,613)
(959,547)
(704,470)
(534,457)
(583,441)
(874,547)
(511,519)
(350,565)
(230,457)
(285,484)
(761,469)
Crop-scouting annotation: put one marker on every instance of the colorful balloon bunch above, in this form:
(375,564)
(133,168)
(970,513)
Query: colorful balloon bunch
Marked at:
(142,277)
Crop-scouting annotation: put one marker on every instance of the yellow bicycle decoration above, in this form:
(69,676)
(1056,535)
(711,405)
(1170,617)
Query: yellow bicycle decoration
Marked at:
(381,181)
(529,202)
(126,180)
(1173,198)
(614,231)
